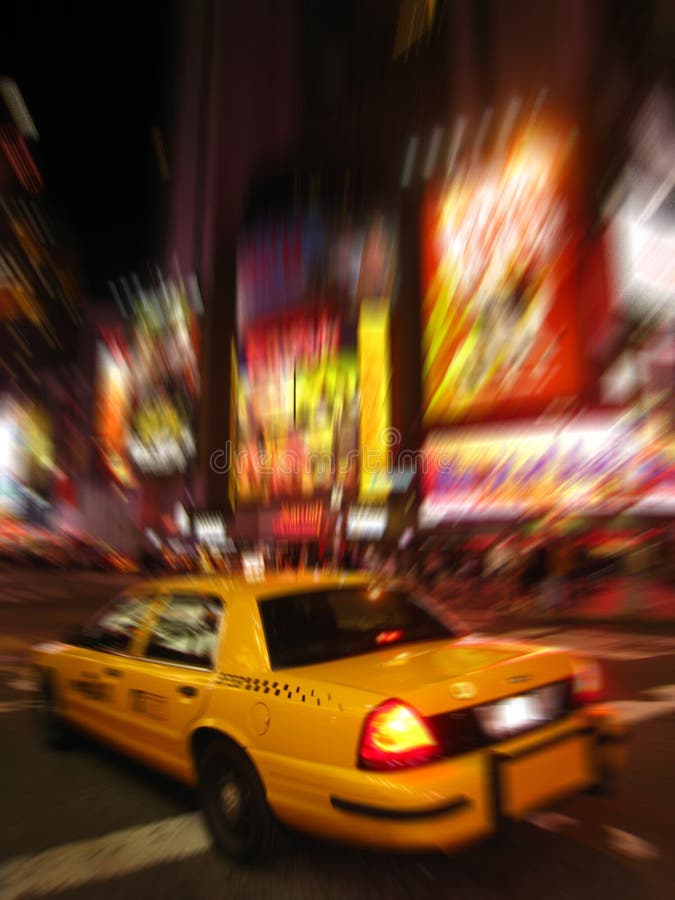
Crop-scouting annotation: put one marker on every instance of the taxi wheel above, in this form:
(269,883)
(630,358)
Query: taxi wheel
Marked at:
(234,803)
(56,732)
(605,786)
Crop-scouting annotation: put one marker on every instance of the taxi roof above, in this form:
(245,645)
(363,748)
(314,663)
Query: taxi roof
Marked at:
(260,586)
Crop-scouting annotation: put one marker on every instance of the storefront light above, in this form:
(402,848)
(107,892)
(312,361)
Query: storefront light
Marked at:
(6,445)
(366,522)
(210,529)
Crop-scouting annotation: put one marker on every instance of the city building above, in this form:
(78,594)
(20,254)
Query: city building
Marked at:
(477,147)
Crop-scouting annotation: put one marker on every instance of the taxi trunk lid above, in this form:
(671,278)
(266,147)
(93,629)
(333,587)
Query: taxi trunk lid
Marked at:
(438,676)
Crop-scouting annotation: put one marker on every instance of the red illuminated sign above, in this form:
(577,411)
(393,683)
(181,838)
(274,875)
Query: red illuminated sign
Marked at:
(300,521)
(499,323)
(299,340)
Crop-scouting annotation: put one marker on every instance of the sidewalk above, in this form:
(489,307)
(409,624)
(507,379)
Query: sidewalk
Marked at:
(616,601)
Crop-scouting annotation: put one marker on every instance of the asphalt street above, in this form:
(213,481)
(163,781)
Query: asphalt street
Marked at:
(88,823)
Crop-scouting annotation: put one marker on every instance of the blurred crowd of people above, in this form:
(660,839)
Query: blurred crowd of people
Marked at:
(506,572)
(549,575)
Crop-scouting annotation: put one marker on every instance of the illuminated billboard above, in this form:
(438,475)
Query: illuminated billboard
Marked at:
(528,471)
(375,405)
(498,320)
(165,366)
(643,227)
(297,428)
(113,408)
(148,382)
(656,466)
(26,456)
(303,290)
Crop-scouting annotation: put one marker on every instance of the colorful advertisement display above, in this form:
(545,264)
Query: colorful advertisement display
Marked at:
(656,466)
(148,383)
(498,318)
(165,363)
(528,471)
(297,426)
(26,458)
(302,370)
(113,408)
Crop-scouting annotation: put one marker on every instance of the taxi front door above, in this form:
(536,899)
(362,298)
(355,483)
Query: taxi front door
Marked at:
(90,688)
(168,683)
(93,672)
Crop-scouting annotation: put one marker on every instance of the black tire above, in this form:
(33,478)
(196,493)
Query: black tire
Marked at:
(55,731)
(234,803)
(605,786)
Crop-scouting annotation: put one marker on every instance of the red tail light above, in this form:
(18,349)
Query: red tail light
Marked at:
(395,736)
(588,684)
(389,637)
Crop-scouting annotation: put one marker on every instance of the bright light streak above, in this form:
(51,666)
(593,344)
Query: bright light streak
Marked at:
(508,123)
(254,566)
(410,155)
(6,445)
(432,153)
(210,529)
(457,137)
(366,522)
(482,132)
(18,109)
(645,256)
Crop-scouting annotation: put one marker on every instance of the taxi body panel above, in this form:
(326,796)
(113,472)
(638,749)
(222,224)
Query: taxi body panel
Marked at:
(301,726)
(440,805)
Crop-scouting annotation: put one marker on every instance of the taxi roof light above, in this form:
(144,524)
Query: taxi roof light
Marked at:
(396,736)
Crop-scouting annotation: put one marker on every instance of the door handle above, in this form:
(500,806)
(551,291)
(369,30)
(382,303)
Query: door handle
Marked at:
(113,673)
(187,690)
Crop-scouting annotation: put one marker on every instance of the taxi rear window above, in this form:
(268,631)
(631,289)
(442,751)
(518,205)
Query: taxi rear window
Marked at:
(328,624)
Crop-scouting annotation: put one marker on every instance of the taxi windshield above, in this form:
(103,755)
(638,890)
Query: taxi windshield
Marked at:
(328,624)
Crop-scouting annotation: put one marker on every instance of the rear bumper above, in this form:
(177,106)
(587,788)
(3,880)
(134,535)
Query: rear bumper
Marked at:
(442,805)
(425,813)
(613,742)
(529,776)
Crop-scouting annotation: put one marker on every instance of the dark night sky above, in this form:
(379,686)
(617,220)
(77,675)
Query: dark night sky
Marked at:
(96,78)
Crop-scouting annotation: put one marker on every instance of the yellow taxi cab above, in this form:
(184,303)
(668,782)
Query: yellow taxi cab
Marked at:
(331,705)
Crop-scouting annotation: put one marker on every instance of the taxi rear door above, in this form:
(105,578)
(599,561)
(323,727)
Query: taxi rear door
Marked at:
(168,683)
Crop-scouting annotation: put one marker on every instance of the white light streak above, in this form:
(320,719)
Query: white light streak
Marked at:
(410,155)
(432,153)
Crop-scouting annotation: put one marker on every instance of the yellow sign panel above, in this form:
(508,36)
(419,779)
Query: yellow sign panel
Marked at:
(375,434)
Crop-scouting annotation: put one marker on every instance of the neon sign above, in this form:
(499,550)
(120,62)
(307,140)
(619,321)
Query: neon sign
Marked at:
(300,521)
(300,341)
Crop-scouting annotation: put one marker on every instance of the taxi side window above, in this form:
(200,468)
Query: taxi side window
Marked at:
(187,631)
(118,624)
